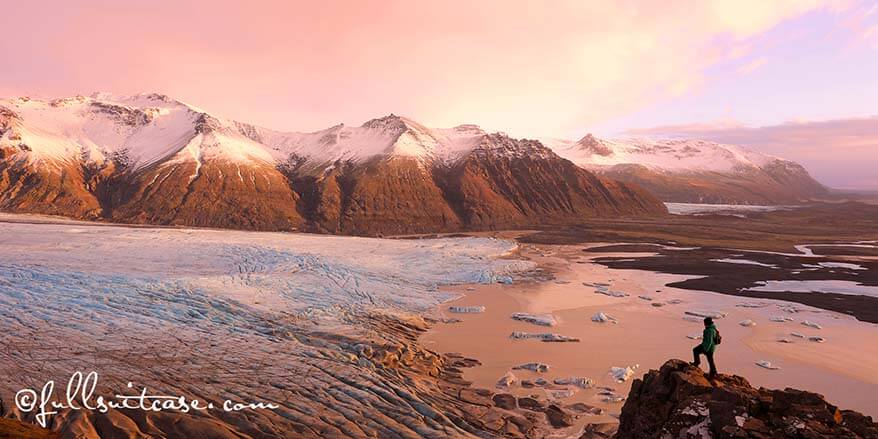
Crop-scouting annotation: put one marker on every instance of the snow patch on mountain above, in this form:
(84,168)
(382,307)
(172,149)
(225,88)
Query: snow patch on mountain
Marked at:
(145,129)
(387,136)
(666,155)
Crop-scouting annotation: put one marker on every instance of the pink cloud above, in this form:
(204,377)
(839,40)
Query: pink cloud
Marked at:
(528,68)
(752,66)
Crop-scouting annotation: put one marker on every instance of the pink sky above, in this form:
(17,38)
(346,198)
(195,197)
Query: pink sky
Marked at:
(560,68)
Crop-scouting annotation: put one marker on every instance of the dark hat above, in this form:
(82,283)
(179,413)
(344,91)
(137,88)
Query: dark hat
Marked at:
(708,321)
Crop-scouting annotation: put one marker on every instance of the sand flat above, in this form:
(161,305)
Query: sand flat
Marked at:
(844,369)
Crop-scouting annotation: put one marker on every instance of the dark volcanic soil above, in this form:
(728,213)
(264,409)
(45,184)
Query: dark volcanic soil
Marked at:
(737,279)
(772,231)
(729,237)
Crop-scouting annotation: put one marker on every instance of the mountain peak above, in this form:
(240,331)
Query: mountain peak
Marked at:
(389,122)
(593,145)
(588,139)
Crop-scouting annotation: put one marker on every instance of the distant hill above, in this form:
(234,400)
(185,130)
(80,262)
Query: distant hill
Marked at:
(694,171)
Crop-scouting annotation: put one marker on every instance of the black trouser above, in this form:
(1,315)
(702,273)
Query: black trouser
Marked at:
(697,354)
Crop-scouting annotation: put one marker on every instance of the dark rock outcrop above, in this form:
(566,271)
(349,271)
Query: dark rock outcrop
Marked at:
(677,401)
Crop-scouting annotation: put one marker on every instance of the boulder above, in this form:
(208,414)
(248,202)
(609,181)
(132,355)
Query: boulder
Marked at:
(604,430)
(533,404)
(505,401)
(558,417)
(583,408)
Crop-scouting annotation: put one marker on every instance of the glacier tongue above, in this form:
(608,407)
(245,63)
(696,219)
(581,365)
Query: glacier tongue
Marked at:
(246,316)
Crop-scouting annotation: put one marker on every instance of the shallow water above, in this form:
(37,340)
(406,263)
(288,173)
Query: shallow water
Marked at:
(817,286)
(844,368)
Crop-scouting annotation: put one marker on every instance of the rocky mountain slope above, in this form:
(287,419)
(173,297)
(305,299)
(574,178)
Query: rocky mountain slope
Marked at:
(694,171)
(154,160)
(678,401)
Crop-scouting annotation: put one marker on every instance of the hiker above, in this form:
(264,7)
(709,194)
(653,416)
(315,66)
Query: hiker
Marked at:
(709,339)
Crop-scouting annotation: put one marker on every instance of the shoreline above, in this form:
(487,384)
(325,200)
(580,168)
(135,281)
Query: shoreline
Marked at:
(842,369)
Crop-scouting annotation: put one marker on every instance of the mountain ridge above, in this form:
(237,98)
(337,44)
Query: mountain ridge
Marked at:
(694,170)
(152,159)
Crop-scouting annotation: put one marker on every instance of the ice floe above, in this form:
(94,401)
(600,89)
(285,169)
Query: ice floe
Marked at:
(603,318)
(706,313)
(811,324)
(781,319)
(507,380)
(539,382)
(611,293)
(747,322)
(817,339)
(561,393)
(581,382)
(536,319)
(752,305)
(609,395)
(622,374)
(767,364)
(466,309)
(535,367)
(542,336)
(614,398)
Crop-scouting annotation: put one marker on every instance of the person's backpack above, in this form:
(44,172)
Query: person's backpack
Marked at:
(718,339)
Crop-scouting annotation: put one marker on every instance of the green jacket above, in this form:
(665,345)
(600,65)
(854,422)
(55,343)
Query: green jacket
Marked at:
(708,339)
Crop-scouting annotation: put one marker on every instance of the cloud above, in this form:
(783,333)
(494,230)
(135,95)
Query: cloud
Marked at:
(519,66)
(841,152)
(752,66)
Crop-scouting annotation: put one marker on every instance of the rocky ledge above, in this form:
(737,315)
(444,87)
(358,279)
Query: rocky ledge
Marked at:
(677,401)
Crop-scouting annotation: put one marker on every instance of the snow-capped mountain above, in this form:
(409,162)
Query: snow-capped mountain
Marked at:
(152,159)
(685,170)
